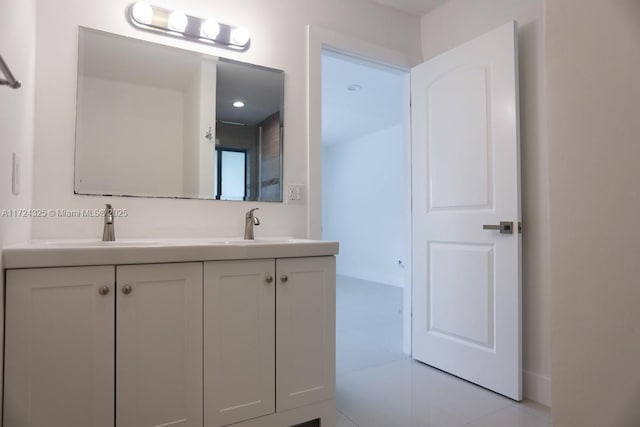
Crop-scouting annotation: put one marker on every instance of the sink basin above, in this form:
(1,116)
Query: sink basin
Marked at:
(82,243)
(263,241)
(94,243)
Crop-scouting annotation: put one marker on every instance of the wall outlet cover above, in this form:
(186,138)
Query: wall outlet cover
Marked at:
(295,193)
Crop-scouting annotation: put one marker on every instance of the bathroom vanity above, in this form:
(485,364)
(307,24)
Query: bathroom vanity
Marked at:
(170,333)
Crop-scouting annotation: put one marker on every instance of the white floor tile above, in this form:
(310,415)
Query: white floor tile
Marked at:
(342,421)
(512,416)
(378,386)
(388,396)
(365,348)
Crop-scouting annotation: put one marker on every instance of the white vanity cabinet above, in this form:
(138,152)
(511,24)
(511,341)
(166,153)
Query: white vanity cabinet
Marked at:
(239,340)
(59,347)
(65,338)
(187,334)
(269,337)
(159,345)
(305,331)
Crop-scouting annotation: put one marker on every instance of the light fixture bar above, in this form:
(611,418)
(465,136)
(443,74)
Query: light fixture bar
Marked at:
(178,24)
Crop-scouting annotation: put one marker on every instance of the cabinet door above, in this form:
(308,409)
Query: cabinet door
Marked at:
(239,340)
(305,331)
(159,345)
(59,347)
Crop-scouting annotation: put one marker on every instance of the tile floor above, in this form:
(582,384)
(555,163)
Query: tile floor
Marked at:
(378,386)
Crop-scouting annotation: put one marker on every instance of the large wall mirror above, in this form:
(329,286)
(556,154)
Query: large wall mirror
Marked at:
(158,121)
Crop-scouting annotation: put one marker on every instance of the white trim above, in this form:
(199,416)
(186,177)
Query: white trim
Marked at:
(537,387)
(319,38)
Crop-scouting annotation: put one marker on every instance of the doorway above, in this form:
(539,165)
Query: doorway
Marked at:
(366,205)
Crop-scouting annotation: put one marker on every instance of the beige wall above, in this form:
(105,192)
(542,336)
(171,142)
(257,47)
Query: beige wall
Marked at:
(593,69)
(450,25)
(279,40)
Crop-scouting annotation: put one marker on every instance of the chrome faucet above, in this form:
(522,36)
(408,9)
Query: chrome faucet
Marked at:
(249,221)
(108,234)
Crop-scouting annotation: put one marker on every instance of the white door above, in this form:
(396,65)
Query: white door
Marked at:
(466,174)
(159,345)
(59,347)
(239,340)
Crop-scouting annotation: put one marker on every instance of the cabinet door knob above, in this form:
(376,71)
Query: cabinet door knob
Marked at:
(127,289)
(103,290)
(269,278)
(284,278)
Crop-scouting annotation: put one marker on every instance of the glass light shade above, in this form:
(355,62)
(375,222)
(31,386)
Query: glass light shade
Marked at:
(210,29)
(142,12)
(178,21)
(239,36)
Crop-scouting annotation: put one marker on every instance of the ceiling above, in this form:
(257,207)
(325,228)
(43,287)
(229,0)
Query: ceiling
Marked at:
(347,115)
(412,7)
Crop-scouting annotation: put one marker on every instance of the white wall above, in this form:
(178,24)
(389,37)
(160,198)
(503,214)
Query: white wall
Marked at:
(364,206)
(450,25)
(17,47)
(593,64)
(278,29)
(145,148)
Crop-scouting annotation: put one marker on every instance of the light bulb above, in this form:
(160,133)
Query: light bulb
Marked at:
(210,29)
(238,104)
(239,36)
(178,21)
(142,12)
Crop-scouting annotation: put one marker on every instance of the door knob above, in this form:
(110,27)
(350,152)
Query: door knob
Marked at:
(269,278)
(103,290)
(127,289)
(505,227)
(284,278)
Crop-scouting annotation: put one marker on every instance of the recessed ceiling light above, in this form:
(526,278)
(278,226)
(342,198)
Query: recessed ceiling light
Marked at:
(238,104)
(354,88)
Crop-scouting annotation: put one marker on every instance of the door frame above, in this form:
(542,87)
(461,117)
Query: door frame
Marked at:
(319,39)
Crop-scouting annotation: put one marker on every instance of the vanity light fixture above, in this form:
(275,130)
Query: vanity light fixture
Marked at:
(178,24)
(238,104)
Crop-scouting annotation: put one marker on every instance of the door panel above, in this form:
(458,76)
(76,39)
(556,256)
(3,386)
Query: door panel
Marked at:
(239,340)
(59,345)
(159,345)
(469,291)
(466,174)
(456,114)
(305,331)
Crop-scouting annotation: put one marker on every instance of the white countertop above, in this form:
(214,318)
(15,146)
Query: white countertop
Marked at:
(77,252)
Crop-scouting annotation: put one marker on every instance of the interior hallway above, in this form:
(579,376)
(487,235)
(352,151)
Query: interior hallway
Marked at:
(378,386)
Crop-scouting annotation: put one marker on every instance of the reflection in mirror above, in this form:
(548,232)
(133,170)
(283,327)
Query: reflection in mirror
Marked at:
(158,121)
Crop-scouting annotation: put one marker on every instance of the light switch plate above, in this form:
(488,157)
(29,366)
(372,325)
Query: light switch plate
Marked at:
(15,174)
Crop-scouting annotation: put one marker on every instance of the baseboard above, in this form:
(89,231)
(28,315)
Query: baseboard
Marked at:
(537,388)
